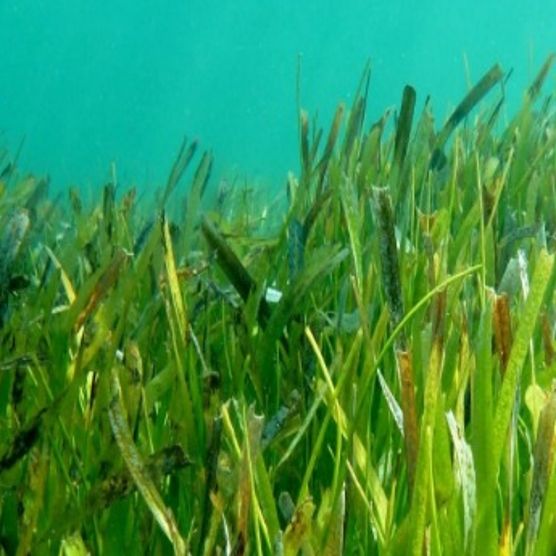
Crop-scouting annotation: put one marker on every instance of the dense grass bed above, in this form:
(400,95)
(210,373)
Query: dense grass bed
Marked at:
(369,372)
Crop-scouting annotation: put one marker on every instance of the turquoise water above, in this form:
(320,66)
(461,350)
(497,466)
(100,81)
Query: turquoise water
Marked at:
(85,82)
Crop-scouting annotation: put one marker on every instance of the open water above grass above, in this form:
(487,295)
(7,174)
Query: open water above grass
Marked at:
(89,82)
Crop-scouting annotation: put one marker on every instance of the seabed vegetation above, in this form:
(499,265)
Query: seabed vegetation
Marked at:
(371,371)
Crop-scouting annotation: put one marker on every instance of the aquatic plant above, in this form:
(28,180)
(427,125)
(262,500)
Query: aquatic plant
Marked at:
(370,372)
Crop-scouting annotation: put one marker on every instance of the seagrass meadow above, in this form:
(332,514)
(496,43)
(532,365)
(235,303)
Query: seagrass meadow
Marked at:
(369,371)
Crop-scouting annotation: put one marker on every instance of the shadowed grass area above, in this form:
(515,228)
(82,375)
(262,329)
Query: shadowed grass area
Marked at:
(368,372)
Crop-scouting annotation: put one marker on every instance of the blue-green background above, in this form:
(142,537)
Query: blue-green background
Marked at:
(88,82)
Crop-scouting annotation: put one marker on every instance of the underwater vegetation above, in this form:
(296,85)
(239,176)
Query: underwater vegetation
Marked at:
(370,372)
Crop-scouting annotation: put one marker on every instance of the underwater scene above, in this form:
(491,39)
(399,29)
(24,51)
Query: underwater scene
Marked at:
(277,278)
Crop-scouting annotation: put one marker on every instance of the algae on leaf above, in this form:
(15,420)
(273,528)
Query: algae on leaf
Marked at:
(13,234)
